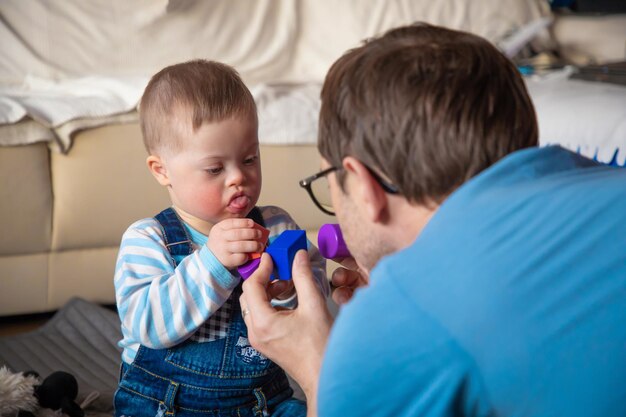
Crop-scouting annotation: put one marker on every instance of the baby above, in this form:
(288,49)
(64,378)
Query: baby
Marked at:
(185,344)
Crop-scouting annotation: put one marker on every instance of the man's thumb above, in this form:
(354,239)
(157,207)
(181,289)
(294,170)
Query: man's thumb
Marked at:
(302,274)
(264,270)
(301,263)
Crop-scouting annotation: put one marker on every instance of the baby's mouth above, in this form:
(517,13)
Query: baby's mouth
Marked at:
(239,202)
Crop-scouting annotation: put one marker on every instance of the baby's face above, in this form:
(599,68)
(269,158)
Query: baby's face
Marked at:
(217,173)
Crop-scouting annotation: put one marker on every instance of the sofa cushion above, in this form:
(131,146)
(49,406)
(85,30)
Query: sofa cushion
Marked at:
(283,167)
(101,187)
(86,273)
(24,283)
(26,208)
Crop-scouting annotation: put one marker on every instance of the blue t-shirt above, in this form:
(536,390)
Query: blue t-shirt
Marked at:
(511,302)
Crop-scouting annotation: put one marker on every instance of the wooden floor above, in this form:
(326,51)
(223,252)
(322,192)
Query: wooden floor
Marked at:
(12,325)
(21,324)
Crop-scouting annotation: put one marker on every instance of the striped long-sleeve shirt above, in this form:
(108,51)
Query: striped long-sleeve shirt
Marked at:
(161,305)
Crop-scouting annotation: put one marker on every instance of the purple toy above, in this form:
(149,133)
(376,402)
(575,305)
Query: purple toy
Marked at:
(330,242)
(248,268)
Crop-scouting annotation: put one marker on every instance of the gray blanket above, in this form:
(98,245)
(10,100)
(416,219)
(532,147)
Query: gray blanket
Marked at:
(81,339)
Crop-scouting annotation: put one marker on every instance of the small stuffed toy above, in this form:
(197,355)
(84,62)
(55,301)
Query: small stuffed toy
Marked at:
(27,395)
(17,392)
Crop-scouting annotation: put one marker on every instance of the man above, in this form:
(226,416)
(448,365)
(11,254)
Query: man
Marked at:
(495,270)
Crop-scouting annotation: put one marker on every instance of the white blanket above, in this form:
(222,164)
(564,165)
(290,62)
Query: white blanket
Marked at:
(270,42)
(43,110)
(288,113)
(53,112)
(587,117)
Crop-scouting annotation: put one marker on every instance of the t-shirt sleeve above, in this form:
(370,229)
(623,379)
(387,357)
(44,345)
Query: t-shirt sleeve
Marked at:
(387,358)
(160,304)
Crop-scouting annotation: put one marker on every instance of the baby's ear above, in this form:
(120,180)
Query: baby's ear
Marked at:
(158,169)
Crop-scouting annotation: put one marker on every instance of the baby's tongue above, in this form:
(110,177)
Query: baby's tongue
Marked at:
(239,202)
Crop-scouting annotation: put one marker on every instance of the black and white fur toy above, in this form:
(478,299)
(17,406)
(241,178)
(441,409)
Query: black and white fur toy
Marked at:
(26,395)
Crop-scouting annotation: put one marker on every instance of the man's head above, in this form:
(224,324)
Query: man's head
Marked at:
(199,126)
(426,108)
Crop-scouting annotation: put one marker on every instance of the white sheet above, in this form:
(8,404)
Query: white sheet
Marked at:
(42,110)
(266,40)
(270,42)
(55,103)
(59,39)
(586,117)
(288,113)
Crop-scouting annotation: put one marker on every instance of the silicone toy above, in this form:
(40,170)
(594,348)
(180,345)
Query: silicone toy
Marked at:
(249,267)
(330,242)
(265,234)
(282,250)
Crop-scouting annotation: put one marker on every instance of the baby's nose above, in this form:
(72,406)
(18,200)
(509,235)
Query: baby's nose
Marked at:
(236,176)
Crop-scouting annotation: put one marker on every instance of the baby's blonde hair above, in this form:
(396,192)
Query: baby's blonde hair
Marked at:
(190,94)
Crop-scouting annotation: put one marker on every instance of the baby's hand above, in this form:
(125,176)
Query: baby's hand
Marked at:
(232,240)
(346,279)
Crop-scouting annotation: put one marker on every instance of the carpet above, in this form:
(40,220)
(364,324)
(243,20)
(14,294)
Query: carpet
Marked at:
(81,338)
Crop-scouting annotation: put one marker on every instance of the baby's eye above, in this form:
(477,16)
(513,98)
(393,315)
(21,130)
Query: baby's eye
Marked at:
(251,160)
(214,170)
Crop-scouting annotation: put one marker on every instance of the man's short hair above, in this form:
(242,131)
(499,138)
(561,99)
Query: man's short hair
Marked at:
(425,106)
(188,94)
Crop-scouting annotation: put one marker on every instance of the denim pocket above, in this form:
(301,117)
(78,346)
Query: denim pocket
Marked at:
(200,358)
(231,357)
(135,396)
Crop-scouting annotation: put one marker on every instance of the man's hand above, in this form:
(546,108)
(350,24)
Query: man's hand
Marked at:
(346,279)
(233,240)
(294,339)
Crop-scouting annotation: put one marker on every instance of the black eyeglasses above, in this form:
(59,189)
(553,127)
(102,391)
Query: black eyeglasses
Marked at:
(319,191)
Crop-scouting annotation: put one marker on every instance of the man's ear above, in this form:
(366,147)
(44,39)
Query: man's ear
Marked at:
(158,170)
(365,190)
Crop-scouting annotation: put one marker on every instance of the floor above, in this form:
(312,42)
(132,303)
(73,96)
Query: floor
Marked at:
(13,325)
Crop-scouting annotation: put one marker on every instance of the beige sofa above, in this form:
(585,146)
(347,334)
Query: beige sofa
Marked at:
(63,213)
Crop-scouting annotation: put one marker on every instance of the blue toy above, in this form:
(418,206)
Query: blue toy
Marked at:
(282,250)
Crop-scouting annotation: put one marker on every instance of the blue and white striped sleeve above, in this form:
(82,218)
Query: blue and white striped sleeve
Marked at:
(161,305)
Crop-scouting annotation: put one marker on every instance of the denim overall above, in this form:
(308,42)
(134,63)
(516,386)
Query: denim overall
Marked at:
(224,377)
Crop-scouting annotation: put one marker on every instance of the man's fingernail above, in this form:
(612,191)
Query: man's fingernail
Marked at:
(297,260)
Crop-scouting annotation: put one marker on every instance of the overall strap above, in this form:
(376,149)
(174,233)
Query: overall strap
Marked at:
(255,214)
(177,241)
